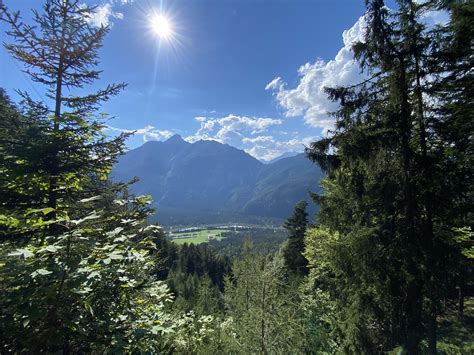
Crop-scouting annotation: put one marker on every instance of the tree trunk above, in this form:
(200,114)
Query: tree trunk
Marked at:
(53,182)
(429,243)
(262,334)
(413,302)
(432,330)
(461,302)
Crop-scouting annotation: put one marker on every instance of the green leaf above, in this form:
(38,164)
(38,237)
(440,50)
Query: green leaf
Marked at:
(22,252)
(45,210)
(157,329)
(83,291)
(116,256)
(114,232)
(41,272)
(93,215)
(90,199)
(93,274)
(49,248)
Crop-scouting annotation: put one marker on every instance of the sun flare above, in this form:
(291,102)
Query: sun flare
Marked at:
(161,26)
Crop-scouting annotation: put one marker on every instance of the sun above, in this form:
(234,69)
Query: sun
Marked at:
(161,26)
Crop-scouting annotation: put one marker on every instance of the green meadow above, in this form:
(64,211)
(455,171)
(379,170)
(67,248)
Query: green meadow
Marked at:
(197,237)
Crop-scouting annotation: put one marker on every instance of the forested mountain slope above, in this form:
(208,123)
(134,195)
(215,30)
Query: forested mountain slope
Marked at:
(210,177)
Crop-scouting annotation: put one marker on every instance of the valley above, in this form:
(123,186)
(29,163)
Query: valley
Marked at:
(196,236)
(229,238)
(210,182)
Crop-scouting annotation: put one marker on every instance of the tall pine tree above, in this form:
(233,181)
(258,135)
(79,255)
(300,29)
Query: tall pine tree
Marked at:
(294,247)
(383,194)
(61,52)
(76,252)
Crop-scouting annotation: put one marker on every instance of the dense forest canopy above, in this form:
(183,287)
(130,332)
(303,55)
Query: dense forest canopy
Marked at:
(386,268)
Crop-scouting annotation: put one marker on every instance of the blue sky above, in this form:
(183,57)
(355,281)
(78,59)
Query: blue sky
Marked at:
(248,73)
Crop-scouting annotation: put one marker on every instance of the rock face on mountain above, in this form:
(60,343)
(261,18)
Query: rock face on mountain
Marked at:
(208,177)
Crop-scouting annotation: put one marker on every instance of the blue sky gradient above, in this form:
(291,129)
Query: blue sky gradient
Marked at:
(247,73)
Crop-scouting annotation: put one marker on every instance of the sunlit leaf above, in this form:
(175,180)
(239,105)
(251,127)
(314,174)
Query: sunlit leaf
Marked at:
(93,215)
(22,252)
(115,232)
(50,248)
(41,272)
(45,210)
(90,199)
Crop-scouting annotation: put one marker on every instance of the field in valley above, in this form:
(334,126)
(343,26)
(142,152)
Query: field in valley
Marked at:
(198,236)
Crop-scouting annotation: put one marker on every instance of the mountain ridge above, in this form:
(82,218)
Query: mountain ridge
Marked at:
(208,177)
(282,156)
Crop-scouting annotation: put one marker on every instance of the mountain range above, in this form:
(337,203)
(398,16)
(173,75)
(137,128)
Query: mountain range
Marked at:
(208,181)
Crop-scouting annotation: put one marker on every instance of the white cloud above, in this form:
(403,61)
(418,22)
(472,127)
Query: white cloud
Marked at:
(239,131)
(268,148)
(256,124)
(232,128)
(149,133)
(245,132)
(118,15)
(104,13)
(258,139)
(308,99)
(205,131)
(432,18)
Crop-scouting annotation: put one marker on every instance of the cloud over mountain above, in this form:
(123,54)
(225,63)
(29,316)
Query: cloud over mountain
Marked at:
(252,134)
(267,148)
(231,129)
(149,133)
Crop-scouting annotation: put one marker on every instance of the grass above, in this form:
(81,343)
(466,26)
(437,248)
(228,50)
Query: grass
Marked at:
(197,237)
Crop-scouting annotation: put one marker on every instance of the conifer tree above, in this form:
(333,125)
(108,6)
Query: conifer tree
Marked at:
(383,194)
(61,52)
(22,137)
(452,63)
(76,252)
(294,247)
(264,312)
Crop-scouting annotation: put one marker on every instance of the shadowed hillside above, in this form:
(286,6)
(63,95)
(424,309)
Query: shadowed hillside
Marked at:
(214,179)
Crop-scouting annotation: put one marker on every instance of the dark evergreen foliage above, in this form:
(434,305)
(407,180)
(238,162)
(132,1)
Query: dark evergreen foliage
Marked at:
(392,167)
(196,278)
(294,247)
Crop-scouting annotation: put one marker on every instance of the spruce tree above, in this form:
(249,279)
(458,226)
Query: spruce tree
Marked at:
(453,60)
(61,52)
(263,309)
(22,181)
(294,247)
(76,257)
(383,194)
